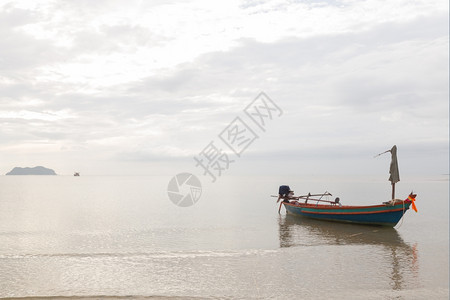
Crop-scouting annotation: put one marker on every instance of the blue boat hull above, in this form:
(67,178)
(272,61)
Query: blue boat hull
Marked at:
(379,215)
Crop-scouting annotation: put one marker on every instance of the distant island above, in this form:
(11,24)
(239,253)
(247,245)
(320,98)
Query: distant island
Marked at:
(39,170)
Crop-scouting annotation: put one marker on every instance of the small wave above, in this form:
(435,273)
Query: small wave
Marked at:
(104,297)
(164,254)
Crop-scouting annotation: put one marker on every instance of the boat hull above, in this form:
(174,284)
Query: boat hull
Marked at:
(378,215)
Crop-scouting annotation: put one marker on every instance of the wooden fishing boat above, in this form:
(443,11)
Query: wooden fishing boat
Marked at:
(385,214)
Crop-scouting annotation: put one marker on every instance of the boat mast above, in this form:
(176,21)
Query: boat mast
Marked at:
(393,169)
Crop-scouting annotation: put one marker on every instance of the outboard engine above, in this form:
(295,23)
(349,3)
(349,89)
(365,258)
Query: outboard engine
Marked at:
(284,190)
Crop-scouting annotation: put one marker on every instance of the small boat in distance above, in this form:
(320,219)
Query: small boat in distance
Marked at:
(385,214)
(76,174)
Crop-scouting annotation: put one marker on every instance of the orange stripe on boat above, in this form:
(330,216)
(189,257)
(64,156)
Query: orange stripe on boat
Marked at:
(350,213)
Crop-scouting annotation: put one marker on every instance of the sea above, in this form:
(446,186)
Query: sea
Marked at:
(121,237)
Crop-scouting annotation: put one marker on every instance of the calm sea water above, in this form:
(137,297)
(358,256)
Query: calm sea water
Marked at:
(102,237)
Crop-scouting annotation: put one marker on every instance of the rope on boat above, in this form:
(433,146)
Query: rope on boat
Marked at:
(403,215)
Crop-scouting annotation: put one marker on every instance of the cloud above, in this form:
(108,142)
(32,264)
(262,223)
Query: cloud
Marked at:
(345,90)
(157,82)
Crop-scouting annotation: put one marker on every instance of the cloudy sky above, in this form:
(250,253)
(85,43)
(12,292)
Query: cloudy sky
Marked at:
(141,87)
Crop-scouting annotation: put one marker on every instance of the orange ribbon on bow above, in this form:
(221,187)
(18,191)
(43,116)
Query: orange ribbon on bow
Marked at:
(412,198)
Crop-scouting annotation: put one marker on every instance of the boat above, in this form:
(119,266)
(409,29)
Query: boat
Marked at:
(387,213)
(76,174)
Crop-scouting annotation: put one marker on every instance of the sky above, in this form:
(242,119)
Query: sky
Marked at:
(142,87)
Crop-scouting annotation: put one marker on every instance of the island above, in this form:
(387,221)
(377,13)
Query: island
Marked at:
(39,170)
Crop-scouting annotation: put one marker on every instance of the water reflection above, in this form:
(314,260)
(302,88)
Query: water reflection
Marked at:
(402,257)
